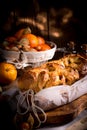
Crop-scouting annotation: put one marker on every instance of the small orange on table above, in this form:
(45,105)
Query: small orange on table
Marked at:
(8,73)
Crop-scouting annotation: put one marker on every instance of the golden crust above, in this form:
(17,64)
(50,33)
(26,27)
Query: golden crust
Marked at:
(63,71)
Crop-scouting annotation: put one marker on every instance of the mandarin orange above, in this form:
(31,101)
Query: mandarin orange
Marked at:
(10,39)
(8,73)
(33,40)
(22,32)
(43,47)
(41,40)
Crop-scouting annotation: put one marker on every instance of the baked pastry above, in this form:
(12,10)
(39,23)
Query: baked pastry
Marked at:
(66,70)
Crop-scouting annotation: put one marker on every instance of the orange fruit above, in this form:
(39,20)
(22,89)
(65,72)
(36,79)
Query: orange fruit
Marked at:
(33,40)
(41,40)
(21,32)
(10,39)
(24,126)
(43,47)
(8,73)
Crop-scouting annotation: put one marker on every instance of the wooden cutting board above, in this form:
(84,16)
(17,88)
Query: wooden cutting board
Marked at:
(66,113)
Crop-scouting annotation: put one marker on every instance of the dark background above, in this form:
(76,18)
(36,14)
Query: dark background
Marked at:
(74,30)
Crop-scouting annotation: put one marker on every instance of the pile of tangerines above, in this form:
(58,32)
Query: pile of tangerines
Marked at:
(23,39)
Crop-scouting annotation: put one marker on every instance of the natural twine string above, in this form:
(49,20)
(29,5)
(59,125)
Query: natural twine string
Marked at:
(31,106)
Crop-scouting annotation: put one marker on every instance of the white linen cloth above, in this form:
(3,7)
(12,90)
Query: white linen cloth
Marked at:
(55,96)
(52,97)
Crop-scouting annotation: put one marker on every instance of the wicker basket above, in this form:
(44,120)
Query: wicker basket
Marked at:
(22,59)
